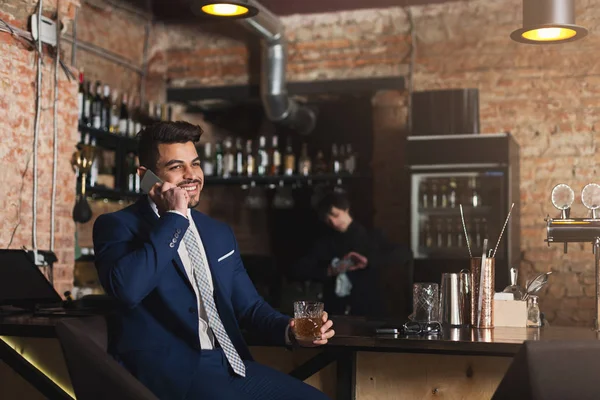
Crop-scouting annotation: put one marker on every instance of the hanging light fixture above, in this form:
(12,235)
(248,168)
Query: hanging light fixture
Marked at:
(548,21)
(229,9)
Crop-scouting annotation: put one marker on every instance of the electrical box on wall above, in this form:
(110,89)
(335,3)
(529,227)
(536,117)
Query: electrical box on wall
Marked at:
(48,29)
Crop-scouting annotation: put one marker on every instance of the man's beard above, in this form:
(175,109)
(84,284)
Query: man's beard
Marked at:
(193,203)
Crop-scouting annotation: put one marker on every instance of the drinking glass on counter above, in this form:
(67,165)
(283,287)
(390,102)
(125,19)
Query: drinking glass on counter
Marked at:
(308,320)
(425,302)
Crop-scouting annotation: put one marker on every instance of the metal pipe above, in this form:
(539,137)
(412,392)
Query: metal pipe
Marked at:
(279,107)
(99,51)
(597,259)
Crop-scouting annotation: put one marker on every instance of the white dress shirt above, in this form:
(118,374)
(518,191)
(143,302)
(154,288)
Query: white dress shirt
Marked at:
(207,338)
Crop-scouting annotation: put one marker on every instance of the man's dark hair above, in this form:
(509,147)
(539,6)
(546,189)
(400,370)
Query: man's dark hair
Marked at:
(332,199)
(164,132)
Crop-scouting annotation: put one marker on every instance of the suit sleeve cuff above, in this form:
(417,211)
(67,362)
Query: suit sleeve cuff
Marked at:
(177,212)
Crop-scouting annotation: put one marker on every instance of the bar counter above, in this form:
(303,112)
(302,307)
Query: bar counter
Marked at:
(360,364)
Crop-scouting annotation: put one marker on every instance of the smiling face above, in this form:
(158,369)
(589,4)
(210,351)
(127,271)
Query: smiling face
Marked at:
(179,164)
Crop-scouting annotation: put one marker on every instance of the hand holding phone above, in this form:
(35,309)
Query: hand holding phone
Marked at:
(167,196)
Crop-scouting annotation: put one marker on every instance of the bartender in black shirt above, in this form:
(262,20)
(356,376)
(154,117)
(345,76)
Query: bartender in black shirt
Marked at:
(351,249)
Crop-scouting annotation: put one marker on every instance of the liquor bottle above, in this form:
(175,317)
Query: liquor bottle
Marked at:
(343,158)
(218,160)
(304,163)
(439,242)
(275,157)
(114,113)
(449,233)
(158,112)
(427,236)
(336,164)
(130,119)
(138,183)
(106,109)
(434,194)
(87,104)
(424,195)
(208,164)
(131,172)
(350,159)
(137,115)
(443,194)
(81,100)
(475,197)
(97,107)
(239,158)
(170,113)
(452,195)
(290,158)
(228,160)
(250,159)
(164,112)
(262,160)
(320,163)
(124,116)
(460,238)
(93,175)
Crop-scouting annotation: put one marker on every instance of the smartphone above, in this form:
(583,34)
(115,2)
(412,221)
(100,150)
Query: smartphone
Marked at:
(387,330)
(149,180)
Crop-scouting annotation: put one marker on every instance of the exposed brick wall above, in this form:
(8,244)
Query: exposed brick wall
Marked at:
(17,109)
(547,96)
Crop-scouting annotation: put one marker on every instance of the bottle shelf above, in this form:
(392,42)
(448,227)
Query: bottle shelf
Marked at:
(98,192)
(275,180)
(454,211)
(452,252)
(110,141)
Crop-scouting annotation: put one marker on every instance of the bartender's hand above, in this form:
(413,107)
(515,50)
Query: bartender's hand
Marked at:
(326,333)
(168,196)
(359,261)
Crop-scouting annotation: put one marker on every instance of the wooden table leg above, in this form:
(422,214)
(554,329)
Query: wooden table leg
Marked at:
(346,375)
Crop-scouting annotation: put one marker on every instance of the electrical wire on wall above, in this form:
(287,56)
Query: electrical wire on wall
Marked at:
(55,136)
(36,129)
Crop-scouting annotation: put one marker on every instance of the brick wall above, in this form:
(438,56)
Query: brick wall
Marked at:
(17,107)
(546,96)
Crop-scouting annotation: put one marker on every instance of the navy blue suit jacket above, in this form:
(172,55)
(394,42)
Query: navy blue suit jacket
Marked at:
(156,330)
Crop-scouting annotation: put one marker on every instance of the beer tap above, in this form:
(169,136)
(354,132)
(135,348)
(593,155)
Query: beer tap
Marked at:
(577,230)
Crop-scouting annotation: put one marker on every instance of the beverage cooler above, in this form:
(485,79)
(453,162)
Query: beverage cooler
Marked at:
(479,171)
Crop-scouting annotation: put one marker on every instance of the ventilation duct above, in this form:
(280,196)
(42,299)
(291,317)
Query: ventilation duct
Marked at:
(279,107)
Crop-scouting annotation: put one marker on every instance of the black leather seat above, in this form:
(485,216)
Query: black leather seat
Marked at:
(95,375)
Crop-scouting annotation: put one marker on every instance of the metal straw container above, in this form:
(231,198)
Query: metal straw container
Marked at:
(483,318)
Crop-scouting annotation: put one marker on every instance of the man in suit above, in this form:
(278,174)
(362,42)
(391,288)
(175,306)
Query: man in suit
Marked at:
(183,289)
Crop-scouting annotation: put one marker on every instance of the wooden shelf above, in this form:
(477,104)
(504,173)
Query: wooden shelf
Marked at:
(111,194)
(449,211)
(275,180)
(110,141)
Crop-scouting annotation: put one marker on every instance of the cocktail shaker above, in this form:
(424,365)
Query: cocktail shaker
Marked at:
(454,299)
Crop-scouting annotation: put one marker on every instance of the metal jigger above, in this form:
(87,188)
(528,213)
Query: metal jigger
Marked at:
(577,230)
(82,160)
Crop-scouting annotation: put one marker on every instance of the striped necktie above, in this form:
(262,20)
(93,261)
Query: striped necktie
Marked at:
(214,321)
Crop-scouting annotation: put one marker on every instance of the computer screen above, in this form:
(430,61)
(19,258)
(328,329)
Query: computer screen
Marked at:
(22,284)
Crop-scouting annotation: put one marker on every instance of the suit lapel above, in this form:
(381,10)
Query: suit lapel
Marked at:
(151,218)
